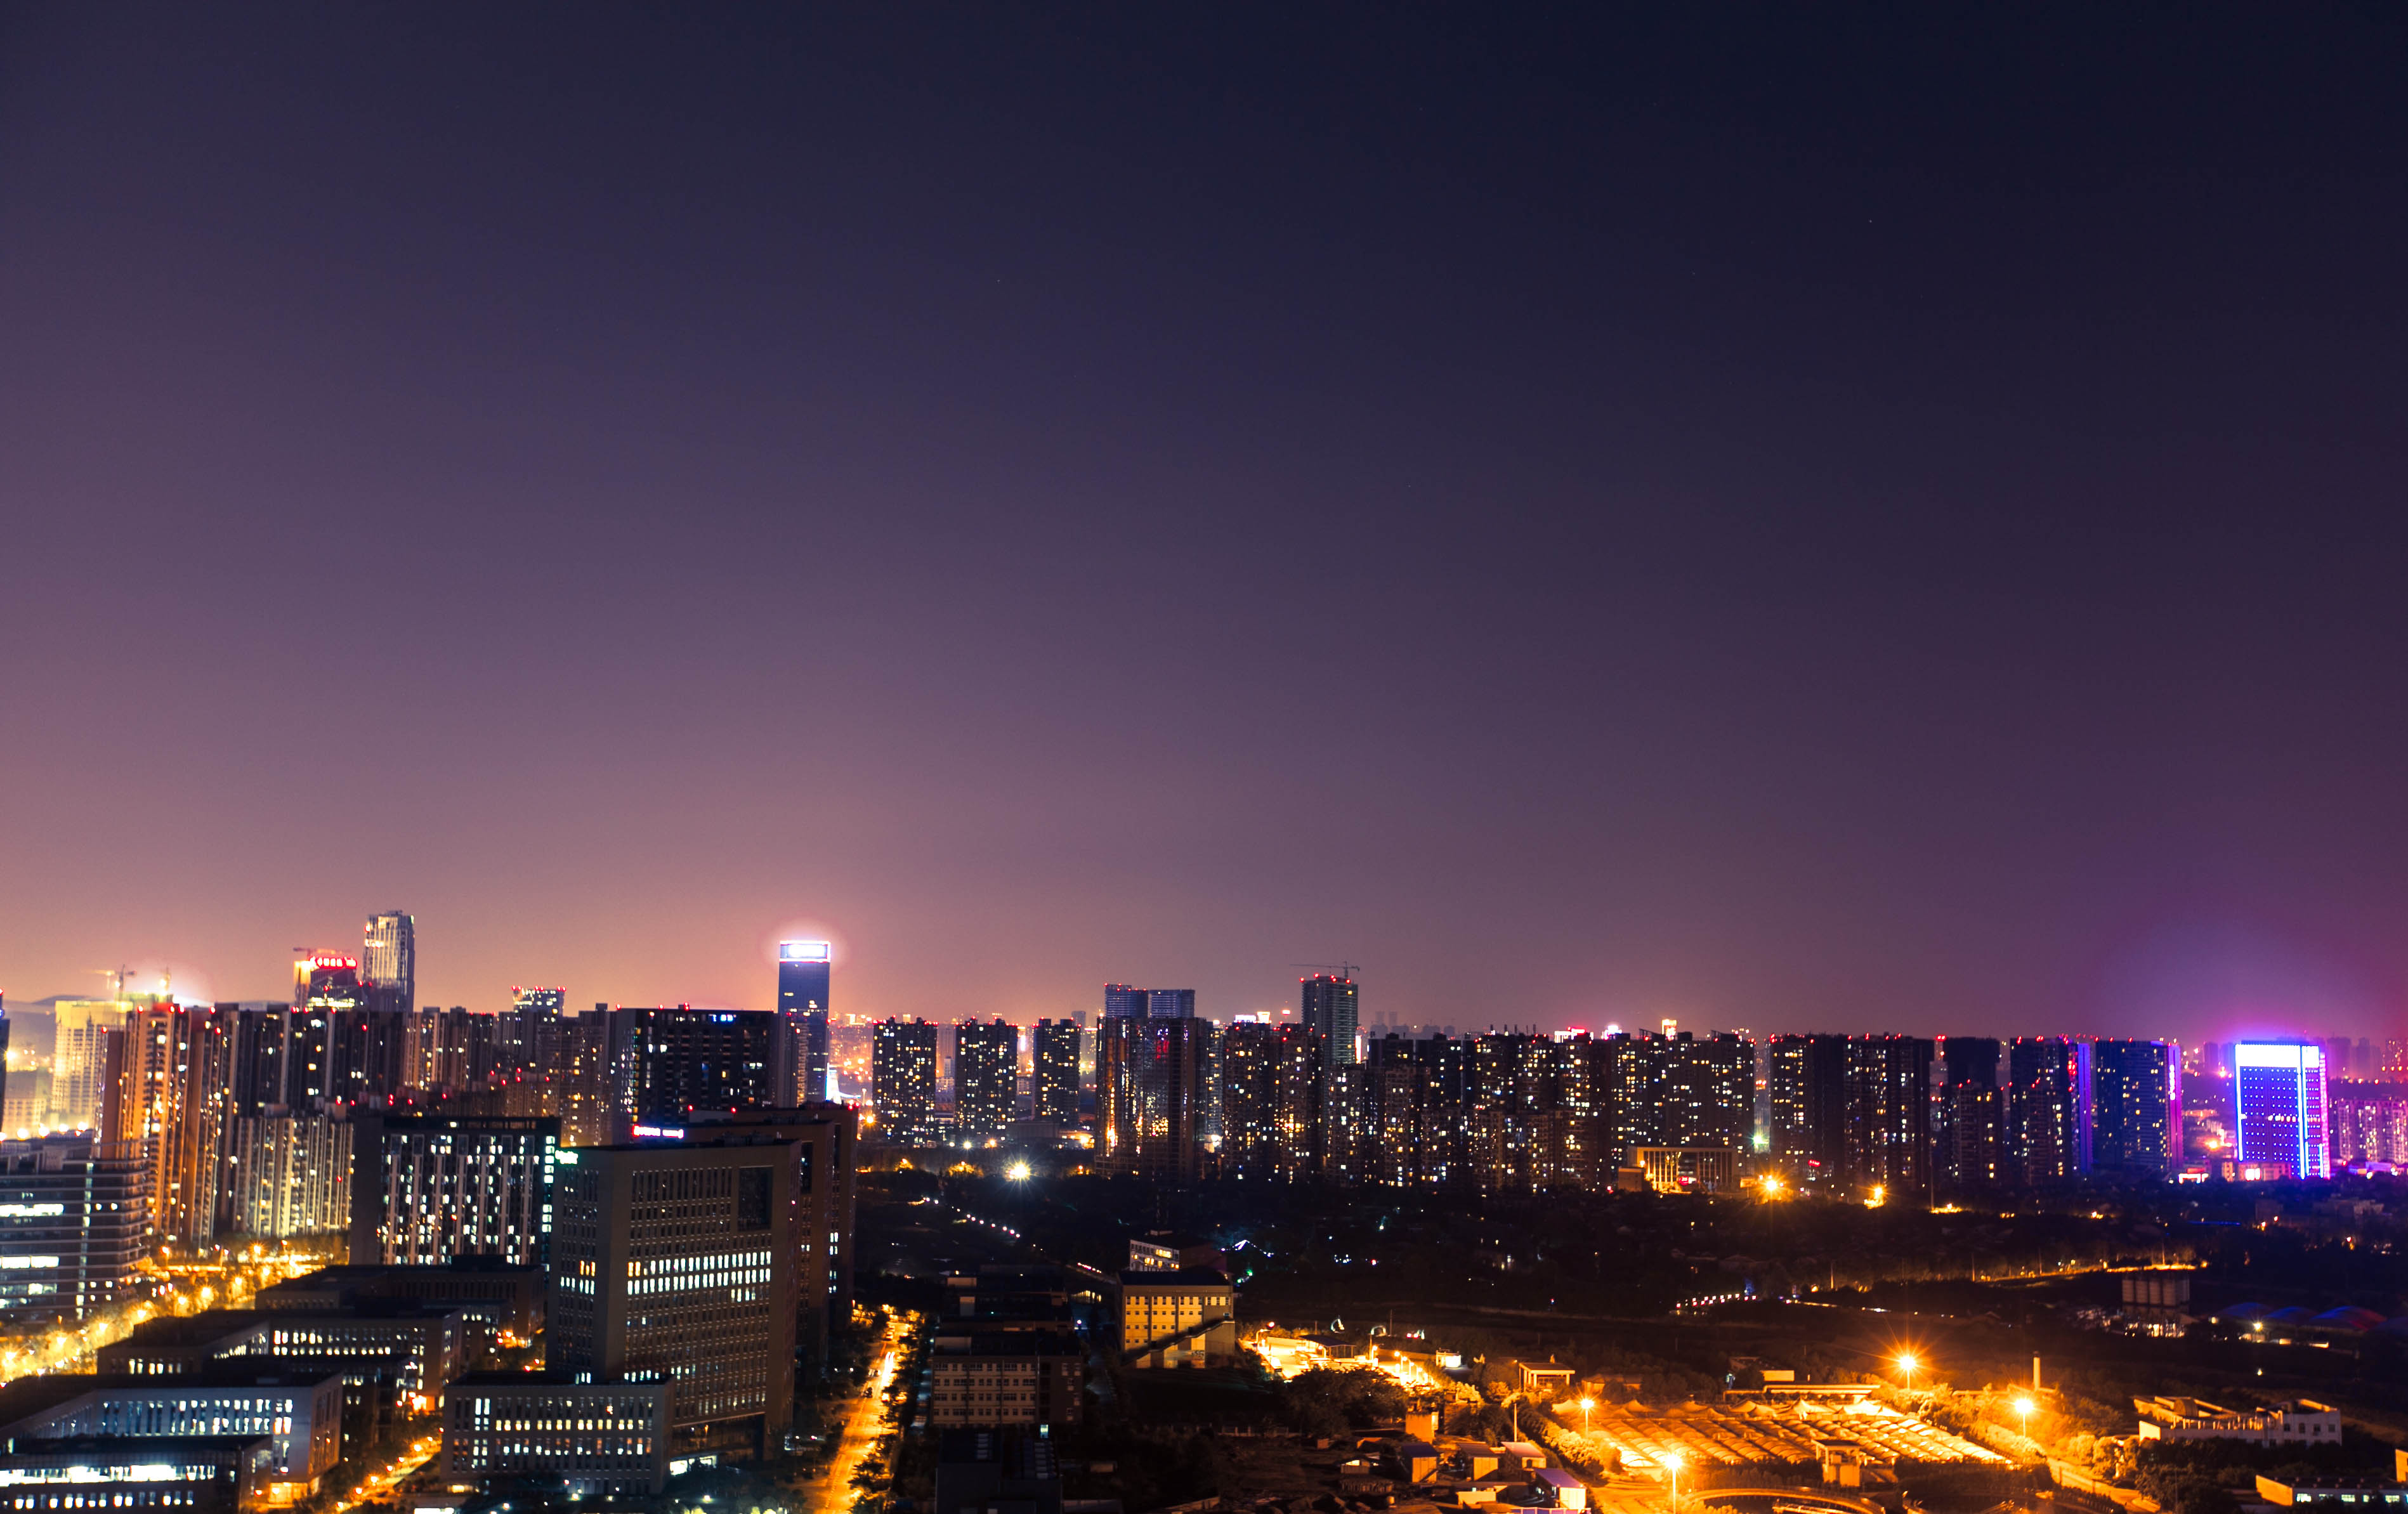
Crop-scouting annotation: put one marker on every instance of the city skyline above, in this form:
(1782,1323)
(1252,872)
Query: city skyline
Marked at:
(2224,1026)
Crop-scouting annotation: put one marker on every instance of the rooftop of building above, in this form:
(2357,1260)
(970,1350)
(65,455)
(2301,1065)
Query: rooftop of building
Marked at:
(551,1378)
(1176,1277)
(26,1397)
(151,1448)
(986,1342)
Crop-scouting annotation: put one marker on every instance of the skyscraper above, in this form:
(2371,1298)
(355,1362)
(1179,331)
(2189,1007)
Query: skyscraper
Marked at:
(2280,1087)
(903,1080)
(1055,1050)
(803,984)
(1122,1002)
(389,962)
(987,1077)
(2049,1109)
(1328,1004)
(1170,1004)
(2136,1102)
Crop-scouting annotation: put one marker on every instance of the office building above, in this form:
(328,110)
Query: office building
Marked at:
(1054,1049)
(602,1440)
(2369,1122)
(427,1189)
(1122,1002)
(1329,1003)
(903,1080)
(188,1473)
(1806,1076)
(73,1222)
(803,972)
(1170,1004)
(389,962)
(1968,1118)
(1150,1091)
(2049,1109)
(1886,1141)
(2136,1109)
(826,1142)
(428,1342)
(285,1176)
(986,1079)
(2280,1087)
(1178,1319)
(676,1261)
(672,1063)
(300,1411)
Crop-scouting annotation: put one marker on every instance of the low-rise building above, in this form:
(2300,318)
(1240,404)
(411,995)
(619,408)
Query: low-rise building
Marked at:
(983,1379)
(428,1339)
(2301,1422)
(1187,1318)
(300,1412)
(189,1474)
(602,1439)
(502,1296)
(2329,1490)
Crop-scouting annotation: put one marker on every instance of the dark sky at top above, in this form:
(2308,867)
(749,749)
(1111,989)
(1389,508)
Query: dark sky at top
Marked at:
(1786,519)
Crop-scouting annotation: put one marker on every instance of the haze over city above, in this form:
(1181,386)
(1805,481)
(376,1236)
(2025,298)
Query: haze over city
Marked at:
(1049,500)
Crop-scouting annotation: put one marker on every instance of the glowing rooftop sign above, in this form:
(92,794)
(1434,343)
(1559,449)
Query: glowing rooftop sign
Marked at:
(802,951)
(2289,1056)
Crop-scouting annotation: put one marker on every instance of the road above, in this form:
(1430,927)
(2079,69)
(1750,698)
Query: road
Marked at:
(832,1490)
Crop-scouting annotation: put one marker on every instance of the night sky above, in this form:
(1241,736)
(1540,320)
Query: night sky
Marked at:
(1788,519)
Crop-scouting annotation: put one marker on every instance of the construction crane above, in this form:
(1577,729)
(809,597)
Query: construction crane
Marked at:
(1340,969)
(117,977)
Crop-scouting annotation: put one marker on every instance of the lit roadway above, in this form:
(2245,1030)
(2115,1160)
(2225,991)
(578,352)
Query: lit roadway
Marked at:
(832,1490)
(177,1287)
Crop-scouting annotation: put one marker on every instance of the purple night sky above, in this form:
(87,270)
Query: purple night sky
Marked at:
(1780,518)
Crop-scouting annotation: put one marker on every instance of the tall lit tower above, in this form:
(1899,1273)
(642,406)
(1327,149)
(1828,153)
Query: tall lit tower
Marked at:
(2280,1087)
(389,962)
(1330,1006)
(803,1004)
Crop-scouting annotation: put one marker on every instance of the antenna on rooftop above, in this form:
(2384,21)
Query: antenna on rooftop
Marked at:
(1342,969)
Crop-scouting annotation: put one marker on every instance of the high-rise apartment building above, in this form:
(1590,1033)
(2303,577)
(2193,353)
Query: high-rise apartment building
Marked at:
(675,1260)
(903,1080)
(986,1079)
(285,1176)
(429,1188)
(1149,1093)
(1806,1078)
(2136,1108)
(79,1057)
(804,968)
(526,1041)
(1330,1005)
(2280,1087)
(670,1062)
(1888,1138)
(1053,1050)
(389,962)
(2049,1108)
(1968,1118)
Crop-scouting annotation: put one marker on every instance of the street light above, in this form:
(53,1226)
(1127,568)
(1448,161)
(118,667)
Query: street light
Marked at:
(2024,1407)
(1906,1366)
(1672,1460)
(1586,1404)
